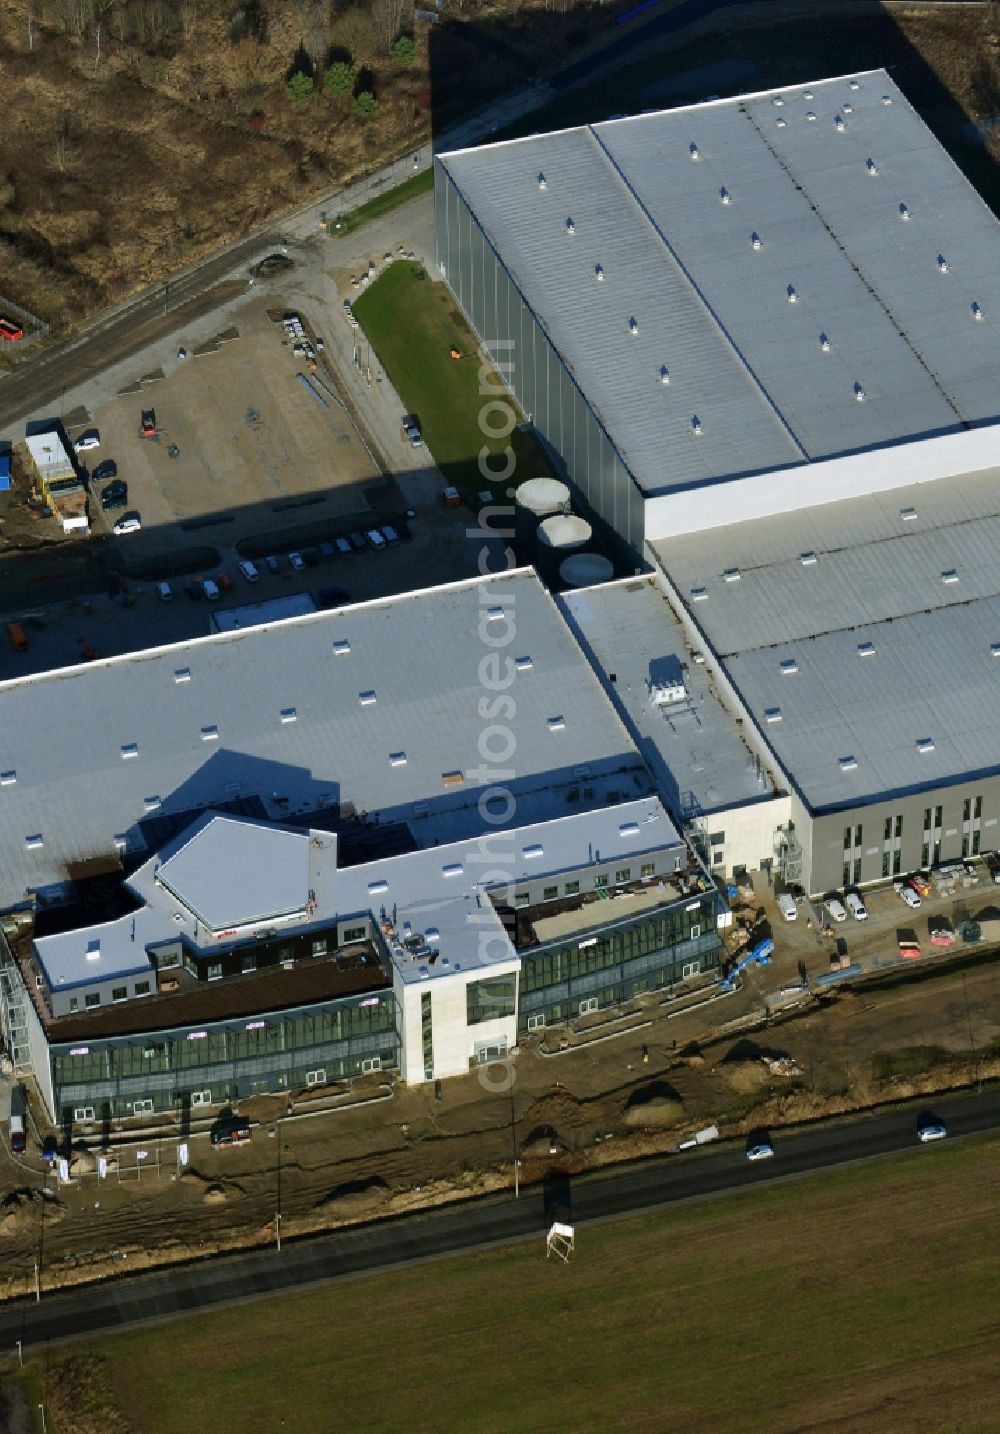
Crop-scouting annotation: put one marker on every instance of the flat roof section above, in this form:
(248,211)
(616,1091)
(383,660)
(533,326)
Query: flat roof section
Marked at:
(694,746)
(233,873)
(808,265)
(864,636)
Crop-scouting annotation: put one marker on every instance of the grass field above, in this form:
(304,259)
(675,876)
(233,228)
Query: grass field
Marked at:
(862,1299)
(383,203)
(413,325)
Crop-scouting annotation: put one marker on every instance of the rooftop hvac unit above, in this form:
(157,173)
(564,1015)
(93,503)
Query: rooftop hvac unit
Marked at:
(662,694)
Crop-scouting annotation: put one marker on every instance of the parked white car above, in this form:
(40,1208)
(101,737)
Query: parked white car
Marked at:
(855,906)
(130,523)
(906,893)
(835,909)
(297,561)
(90,439)
(211,589)
(249,571)
(165,591)
(787,907)
(375,538)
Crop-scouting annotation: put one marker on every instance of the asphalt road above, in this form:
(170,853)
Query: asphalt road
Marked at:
(474,1225)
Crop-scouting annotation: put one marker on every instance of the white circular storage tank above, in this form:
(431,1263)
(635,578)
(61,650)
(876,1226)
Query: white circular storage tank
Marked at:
(585,570)
(535,499)
(557,539)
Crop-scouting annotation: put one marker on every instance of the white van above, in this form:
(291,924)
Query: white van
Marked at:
(787,907)
(856,906)
(836,910)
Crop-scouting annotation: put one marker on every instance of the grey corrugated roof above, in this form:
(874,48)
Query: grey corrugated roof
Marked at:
(716,311)
(277,711)
(696,750)
(438,890)
(877,582)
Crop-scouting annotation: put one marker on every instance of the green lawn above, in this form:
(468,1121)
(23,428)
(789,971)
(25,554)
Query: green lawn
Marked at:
(413,325)
(383,203)
(861,1299)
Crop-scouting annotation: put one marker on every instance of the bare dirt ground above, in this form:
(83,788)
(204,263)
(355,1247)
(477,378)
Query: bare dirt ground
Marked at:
(588,1106)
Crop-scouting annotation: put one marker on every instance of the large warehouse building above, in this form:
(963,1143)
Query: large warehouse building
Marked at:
(297,853)
(759,338)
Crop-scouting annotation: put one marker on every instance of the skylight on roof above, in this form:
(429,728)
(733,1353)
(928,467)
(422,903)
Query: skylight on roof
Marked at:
(130,749)
(808,560)
(33,842)
(732,575)
(848,764)
(341,647)
(523,664)
(397,759)
(908,515)
(789,666)
(210,734)
(557,724)
(289,714)
(182,674)
(925,744)
(7,779)
(375,887)
(628,829)
(452,868)
(151,803)
(866,649)
(530,853)
(367,699)
(772,714)
(949,576)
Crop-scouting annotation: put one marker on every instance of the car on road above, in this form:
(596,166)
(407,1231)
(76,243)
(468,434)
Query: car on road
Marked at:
(147,425)
(376,539)
(90,439)
(105,471)
(411,429)
(835,909)
(115,495)
(165,591)
(249,571)
(210,589)
(787,907)
(272,564)
(10,330)
(225,582)
(344,548)
(906,894)
(855,906)
(296,561)
(128,523)
(930,1128)
(358,542)
(332,597)
(760,1148)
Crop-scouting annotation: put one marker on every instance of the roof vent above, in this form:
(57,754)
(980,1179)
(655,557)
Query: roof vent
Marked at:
(808,559)
(908,515)
(848,109)
(7,779)
(693,151)
(793,297)
(871,167)
(789,666)
(853,85)
(772,714)
(599,273)
(151,803)
(780,122)
(531,853)
(633,326)
(848,764)
(289,714)
(732,575)
(838,123)
(904,212)
(925,744)
(859,393)
(699,594)
(182,674)
(542,182)
(778,101)
(494,614)
(977,312)
(628,829)
(995,649)
(664,373)
(523,664)
(824,343)
(94,950)
(129,749)
(376,887)
(725,195)
(452,868)
(866,649)
(755,240)
(887,99)
(210,734)
(452,779)
(942,263)
(341,647)
(807,94)
(397,759)
(557,724)
(949,576)
(696,424)
(367,699)
(570,227)
(33,842)
(811,116)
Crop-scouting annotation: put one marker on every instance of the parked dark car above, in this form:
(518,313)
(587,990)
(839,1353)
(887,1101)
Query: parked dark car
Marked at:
(272,564)
(193,591)
(327,552)
(115,495)
(311,556)
(104,471)
(359,542)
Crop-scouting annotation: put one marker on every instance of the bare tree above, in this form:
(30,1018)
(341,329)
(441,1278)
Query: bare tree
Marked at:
(389,17)
(103,11)
(65,151)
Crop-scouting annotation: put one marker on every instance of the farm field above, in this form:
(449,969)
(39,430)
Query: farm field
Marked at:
(859,1299)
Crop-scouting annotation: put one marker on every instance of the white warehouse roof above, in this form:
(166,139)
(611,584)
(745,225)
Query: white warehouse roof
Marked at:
(807,268)
(863,636)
